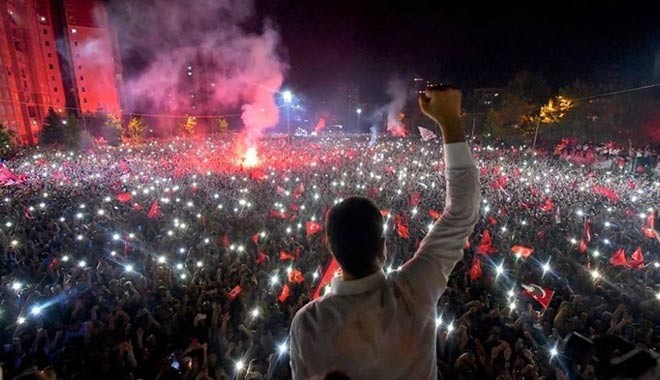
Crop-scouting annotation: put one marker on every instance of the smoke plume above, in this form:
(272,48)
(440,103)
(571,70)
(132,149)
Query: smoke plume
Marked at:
(200,57)
(396,89)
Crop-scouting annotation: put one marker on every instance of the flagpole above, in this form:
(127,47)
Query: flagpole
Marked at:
(536,132)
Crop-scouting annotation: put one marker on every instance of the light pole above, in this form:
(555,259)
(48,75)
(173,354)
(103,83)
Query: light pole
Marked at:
(359,112)
(288,98)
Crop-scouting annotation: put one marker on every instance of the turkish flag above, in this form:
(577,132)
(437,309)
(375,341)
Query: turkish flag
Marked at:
(261,258)
(286,256)
(284,294)
(154,211)
(278,214)
(649,227)
(225,241)
(583,246)
(475,269)
(313,228)
(384,212)
(539,294)
(331,272)
(298,190)
(401,226)
(296,277)
(637,259)
(434,214)
(124,197)
(587,232)
(486,239)
(415,198)
(548,205)
(522,251)
(255,238)
(486,245)
(619,258)
(234,293)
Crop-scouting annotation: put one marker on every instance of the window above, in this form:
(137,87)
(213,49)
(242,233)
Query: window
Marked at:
(17,45)
(79,67)
(52,77)
(25,84)
(83,89)
(54,89)
(49,55)
(75,43)
(32,112)
(45,31)
(84,100)
(82,78)
(50,66)
(47,43)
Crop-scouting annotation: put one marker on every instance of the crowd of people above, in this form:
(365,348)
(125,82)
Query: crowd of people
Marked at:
(177,260)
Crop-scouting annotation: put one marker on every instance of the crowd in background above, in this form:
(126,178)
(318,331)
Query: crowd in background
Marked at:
(175,260)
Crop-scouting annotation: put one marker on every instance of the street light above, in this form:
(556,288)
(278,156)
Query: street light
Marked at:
(288,98)
(359,112)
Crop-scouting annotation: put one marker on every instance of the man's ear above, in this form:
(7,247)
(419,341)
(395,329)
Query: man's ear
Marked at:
(327,244)
(382,251)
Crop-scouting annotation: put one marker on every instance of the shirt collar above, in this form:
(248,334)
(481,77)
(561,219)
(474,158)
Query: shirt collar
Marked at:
(362,285)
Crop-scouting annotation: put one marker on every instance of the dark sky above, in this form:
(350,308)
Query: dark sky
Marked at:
(472,44)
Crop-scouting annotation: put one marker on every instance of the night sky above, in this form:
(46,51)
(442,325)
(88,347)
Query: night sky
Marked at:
(474,45)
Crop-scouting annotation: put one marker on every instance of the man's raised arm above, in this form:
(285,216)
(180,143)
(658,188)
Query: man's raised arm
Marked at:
(428,271)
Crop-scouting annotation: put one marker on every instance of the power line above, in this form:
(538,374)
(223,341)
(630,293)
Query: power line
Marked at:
(130,113)
(620,91)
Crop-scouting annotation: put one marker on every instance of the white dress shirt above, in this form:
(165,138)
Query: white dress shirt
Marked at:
(383,327)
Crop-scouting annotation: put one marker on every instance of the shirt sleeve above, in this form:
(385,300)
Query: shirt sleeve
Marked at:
(297,362)
(428,271)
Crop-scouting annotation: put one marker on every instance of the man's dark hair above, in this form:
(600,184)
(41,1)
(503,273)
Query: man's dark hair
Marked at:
(354,228)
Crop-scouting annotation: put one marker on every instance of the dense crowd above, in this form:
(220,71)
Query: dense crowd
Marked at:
(175,260)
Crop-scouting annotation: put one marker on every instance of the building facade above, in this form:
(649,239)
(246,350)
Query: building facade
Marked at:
(55,53)
(31,79)
(90,49)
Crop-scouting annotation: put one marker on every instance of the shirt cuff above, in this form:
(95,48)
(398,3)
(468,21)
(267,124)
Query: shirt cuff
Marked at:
(458,155)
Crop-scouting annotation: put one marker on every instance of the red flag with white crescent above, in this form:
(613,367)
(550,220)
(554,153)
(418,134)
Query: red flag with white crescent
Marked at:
(541,295)
(331,272)
(522,251)
(619,258)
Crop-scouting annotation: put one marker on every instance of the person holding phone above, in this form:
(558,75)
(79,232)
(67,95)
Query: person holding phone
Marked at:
(373,326)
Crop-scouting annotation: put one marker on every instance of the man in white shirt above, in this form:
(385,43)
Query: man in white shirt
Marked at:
(373,326)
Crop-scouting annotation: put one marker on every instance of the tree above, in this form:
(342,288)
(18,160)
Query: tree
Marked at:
(514,119)
(94,122)
(71,132)
(136,130)
(112,130)
(52,131)
(189,125)
(7,139)
(223,124)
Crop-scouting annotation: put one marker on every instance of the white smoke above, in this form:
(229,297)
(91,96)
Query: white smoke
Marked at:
(199,57)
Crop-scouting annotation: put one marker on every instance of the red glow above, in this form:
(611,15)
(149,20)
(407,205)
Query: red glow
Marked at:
(320,126)
(396,127)
(251,158)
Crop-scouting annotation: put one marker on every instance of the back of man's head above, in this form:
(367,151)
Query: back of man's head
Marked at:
(354,229)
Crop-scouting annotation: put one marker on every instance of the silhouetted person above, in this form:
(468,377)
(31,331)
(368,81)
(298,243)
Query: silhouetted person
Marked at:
(373,326)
